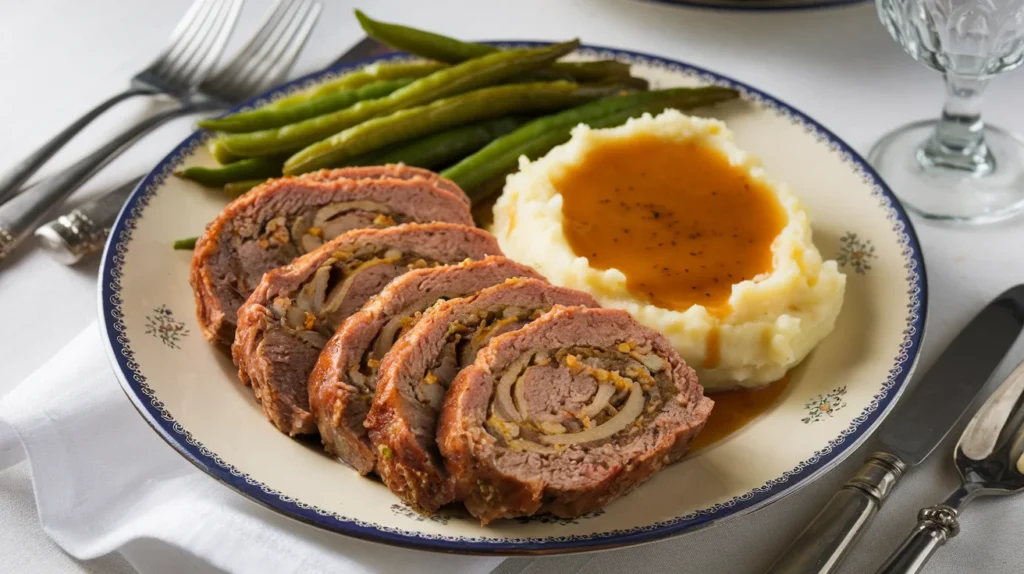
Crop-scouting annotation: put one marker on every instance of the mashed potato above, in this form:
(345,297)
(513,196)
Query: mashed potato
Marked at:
(772,320)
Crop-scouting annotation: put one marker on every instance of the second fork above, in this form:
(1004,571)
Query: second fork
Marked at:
(263,61)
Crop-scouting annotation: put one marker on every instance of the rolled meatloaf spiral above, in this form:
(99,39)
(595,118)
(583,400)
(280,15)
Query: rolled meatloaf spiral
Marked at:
(393,170)
(414,375)
(284,218)
(345,378)
(566,414)
(294,309)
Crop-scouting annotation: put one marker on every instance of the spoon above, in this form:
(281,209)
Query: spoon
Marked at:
(990,460)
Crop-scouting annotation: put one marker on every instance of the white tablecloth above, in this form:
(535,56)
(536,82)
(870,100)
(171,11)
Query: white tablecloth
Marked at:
(57,57)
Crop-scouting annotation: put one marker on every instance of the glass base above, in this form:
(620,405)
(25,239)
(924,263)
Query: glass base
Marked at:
(949,194)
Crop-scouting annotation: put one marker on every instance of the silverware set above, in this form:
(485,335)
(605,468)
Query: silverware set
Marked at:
(989,455)
(185,72)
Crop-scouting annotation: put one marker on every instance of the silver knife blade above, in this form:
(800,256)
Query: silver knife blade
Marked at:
(81,232)
(937,401)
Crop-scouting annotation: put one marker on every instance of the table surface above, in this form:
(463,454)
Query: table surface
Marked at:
(838,65)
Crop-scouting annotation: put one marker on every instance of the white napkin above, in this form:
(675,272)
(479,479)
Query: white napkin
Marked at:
(105,482)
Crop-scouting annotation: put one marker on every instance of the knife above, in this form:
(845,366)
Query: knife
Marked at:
(82,231)
(910,433)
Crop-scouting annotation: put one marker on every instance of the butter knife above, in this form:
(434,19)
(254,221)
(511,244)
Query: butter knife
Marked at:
(81,232)
(919,423)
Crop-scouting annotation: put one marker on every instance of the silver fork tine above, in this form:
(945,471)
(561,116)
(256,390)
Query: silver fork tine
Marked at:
(210,51)
(275,49)
(183,27)
(191,65)
(195,45)
(285,51)
(278,50)
(177,52)
(241,66)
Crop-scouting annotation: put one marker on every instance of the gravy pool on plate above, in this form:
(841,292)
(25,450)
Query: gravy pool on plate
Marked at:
(667,218)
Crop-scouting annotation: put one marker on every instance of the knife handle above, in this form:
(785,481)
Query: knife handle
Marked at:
(821,547)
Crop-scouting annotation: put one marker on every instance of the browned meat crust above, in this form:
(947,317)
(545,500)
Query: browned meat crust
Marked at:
(294,309)
(280,220)
(507,465)
(414,375)
(343,382)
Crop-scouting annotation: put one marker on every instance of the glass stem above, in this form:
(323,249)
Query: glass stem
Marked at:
(959,138)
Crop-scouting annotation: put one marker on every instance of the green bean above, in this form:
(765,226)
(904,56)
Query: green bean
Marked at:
(188,243)
(442,48)
(220,153)
(443,148)
(375,72)
(539,136)
(464,77)
(236,188)
(439,115)
(252,168)
(266,117)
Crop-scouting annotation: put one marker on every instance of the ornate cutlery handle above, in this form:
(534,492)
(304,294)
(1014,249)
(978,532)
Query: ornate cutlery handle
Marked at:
(935,526)
(11,181)
(821,547)
(20,215)
(83,230)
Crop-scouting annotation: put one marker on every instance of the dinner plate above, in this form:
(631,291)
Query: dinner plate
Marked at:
(760,5)
(189,393)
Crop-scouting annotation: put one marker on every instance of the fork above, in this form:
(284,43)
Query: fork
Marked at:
(194,47)
(260,64)
(990,460)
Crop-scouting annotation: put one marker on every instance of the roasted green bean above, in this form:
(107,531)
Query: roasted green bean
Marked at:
(236,188)
(539,136)
(266,117)
(375,72)
(188,243)
(443,148)
(439,115)
(220,153)
(442,48)
(252,168)
(464,77)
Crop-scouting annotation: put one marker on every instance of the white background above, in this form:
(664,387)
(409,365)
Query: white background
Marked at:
(59,57)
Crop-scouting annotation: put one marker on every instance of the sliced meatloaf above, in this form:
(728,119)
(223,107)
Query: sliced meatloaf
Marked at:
(416,372)
(284,218)
(345,378)
(394,170)
(294,309)
(566,414)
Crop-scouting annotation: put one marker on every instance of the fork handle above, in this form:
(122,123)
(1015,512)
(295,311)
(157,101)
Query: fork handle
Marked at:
(935,526)
(20,215)
(11,181)
(821,547)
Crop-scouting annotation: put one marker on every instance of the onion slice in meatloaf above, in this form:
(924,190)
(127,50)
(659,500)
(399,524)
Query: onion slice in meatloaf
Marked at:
(345,378)
(294,309)
(284,218)
(415,374)
(566,414)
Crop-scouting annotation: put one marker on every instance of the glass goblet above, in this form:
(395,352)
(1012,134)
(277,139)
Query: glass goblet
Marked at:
(956,168)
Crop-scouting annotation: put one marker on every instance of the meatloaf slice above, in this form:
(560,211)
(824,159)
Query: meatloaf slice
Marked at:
(284,218)
(294,309)
(416,372)
(345,378)
(566,414)
(394,170)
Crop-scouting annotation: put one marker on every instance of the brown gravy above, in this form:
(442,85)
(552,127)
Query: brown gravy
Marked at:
(734,409)
(675,218)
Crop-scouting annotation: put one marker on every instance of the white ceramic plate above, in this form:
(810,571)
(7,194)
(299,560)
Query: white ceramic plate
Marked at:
(188,390)
(760,5)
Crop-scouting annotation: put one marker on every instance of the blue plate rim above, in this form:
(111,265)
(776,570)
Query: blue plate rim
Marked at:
(753,6)
(133,382)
